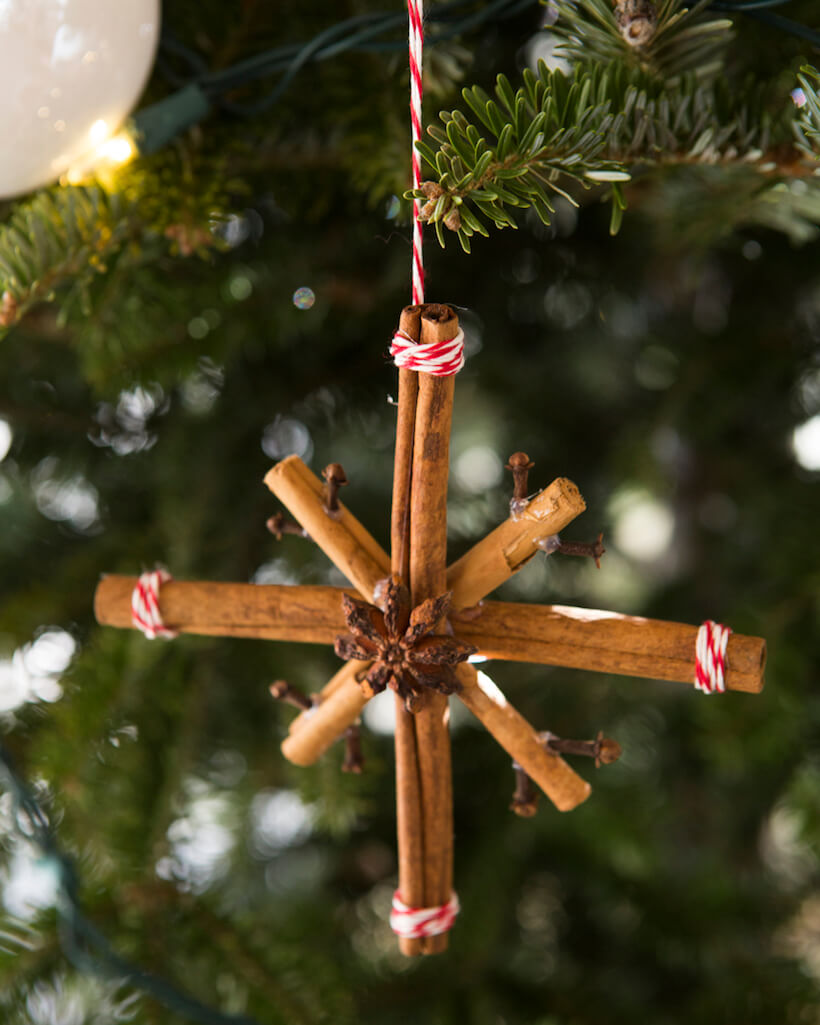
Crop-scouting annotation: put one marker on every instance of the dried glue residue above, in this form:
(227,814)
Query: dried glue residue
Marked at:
(549,544)
(380,592)
(542,506)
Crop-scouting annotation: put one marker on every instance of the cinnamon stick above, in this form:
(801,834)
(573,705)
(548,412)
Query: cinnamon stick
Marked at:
(560,635)
(346,678)
(304,747)
(512,544)
(606,642)
(343,538)
(409,818)
(428,578)
(564,787)
(270,611)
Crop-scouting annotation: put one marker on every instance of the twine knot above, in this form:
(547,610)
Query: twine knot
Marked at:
(412,922)
(145,614)
(441,359)
(710,657)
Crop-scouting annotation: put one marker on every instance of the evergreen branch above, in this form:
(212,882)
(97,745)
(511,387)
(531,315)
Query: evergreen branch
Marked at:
(807,123)
(63,234)
(667,38)
(72,236)
(559,132)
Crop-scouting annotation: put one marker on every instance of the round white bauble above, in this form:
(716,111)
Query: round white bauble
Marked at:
(71,71)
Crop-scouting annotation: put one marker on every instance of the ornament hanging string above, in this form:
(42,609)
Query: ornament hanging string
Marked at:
(415,10)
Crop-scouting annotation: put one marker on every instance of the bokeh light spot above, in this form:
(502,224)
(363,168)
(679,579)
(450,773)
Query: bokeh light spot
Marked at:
(304,298)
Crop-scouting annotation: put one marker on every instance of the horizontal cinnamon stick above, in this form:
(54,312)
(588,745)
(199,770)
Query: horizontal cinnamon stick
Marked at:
(605,642)
(560,635)
(344,540)
(564,787)
(512,544)
(269,611)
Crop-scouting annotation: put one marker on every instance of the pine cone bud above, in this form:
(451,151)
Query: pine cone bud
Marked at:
(453,219)
(637,20)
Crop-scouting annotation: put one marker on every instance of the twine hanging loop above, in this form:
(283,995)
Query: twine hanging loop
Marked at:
(415,10)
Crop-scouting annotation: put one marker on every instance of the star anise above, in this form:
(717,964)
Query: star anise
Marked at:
(407,656)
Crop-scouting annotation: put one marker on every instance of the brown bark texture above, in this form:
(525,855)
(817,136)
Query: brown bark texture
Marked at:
(344,540)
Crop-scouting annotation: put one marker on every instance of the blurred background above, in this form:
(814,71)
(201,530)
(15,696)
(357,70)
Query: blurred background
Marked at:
(672,372)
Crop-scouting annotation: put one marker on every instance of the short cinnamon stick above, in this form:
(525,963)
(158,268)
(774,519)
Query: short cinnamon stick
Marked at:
(428,578)
(343,539)
(348,675)
(512,544)
(564,787)
(605,642)
(304,747)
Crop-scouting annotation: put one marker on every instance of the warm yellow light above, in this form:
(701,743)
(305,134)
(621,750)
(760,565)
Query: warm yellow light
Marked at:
(118,150)
(98,132)
(103,158)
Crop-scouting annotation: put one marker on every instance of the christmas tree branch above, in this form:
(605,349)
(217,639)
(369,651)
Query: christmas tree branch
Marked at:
(666,38)
(559,132)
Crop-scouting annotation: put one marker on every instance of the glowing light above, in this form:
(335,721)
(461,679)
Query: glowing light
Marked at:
(98,132)
(806,443)
(379,714)
(478,469)
(118,150)
(103,159)
(304,298)
(644,526)
(5,439)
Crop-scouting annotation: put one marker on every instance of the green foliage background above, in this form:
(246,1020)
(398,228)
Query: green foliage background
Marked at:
(673,362)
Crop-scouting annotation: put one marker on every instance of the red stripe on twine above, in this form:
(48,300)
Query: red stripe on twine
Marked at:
(145,611)
(415,922)
(415,10)
(710,657)
(441,359)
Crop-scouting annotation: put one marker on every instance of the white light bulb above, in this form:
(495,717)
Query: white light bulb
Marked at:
(71,71)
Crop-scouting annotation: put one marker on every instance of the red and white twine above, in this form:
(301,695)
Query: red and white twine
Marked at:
(415,10)
(412,922)
(441,359)
(710,657)
(145,614)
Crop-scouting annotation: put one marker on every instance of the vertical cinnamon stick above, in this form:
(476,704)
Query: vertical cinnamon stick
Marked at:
(428,578)
(409,823)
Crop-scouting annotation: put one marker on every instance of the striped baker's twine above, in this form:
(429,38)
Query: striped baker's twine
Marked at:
(441,359)
(412,922)
(710,657)
(145,614)
(415,10)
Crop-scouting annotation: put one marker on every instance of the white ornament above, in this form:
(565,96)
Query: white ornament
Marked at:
(71,71)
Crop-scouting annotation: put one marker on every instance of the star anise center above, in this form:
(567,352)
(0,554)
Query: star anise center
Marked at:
(407,655)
